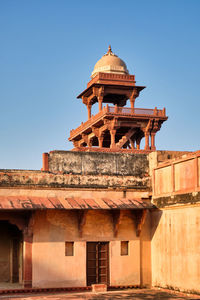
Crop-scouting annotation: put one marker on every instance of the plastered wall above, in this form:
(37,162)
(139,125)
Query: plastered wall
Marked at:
(175,248)
(52,268)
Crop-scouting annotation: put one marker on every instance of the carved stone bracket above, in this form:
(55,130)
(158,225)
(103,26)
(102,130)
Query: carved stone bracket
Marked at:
(76,143)
(113,124)
(117,220)
(101,92)
(81,214)
(133,96)
(86,139)
(135,93)
(139,218)
(20,223)
(95,91)
(156,125)
(104,127)
(95,130)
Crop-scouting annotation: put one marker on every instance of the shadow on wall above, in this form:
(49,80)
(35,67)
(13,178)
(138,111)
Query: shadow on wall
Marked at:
(156,215)
(10,252)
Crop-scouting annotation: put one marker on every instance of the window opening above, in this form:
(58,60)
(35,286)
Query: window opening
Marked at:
(69,248)
(124,247)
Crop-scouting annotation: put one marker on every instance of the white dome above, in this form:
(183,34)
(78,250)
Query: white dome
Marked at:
(110,63)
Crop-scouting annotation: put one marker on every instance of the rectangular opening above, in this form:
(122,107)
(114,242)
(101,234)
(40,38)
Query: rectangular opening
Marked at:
(124,247)
(97,263)
(69,248)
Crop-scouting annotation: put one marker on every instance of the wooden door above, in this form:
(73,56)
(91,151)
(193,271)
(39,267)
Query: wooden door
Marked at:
(97,263)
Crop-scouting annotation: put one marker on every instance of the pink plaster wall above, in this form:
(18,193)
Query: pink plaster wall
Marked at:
(125,270)
(175,248)
(52,268)
(163,180)
(177,176)
(184,175)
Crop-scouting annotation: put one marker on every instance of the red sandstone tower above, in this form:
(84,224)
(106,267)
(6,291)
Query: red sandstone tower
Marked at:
(115,127)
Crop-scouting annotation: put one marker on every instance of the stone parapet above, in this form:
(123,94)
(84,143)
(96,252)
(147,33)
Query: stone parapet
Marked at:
(99,163)
(34,179)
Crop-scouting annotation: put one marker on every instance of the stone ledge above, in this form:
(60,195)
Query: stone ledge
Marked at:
(49,180)
(99,288)
(187,198)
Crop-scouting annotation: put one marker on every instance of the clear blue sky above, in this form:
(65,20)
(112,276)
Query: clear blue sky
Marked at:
(48,49)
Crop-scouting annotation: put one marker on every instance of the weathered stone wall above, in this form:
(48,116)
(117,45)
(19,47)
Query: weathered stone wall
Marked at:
(178,199)
(38,179)
(68,169)
(95,163)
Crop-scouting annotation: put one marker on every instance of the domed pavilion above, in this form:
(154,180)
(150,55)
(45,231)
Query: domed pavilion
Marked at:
(115,127)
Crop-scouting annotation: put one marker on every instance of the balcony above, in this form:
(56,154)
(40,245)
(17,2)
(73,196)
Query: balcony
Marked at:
(116,111)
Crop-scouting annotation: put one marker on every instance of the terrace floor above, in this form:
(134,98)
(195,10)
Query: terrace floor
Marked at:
(136,294)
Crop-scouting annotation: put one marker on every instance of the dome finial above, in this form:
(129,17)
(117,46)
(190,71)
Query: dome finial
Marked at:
(109,50)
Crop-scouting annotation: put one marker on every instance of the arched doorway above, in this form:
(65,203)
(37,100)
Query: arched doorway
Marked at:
(10,253)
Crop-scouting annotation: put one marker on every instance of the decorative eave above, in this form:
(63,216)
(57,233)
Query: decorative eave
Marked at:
(116,81)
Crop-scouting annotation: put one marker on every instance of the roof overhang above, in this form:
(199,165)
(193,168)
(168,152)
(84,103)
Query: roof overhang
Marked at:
(43,203)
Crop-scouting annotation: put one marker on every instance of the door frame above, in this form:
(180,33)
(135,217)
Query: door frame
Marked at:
(97,259)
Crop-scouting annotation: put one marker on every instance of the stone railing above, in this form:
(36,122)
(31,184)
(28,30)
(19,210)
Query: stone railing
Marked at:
(137,111)
(116,110)
(88,122)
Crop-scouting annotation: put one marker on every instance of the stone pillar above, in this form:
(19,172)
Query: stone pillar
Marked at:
(153,141)
(138,140)
(112,135)
(146,147)
(132,142)
(100,139)
(133,96)
(89,143)
(27,261)
(27,253)
(89,110)
(100,100)
(116,109)
(132,100)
